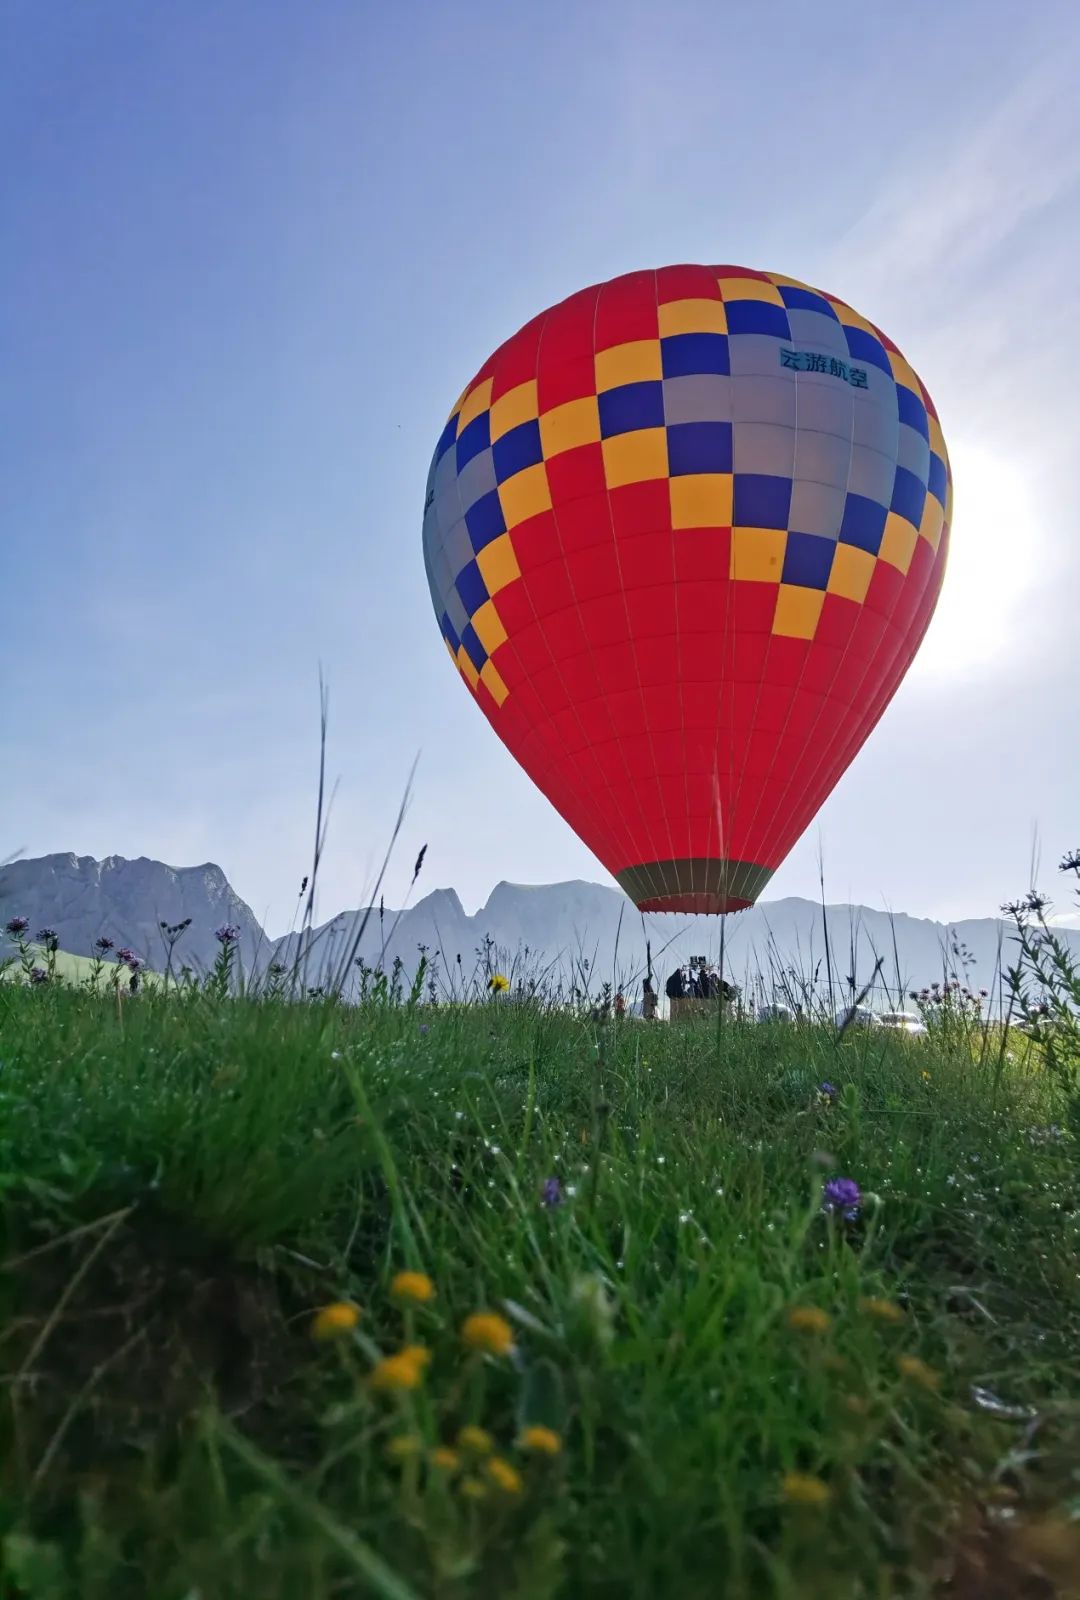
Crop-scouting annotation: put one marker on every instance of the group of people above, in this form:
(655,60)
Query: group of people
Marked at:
(685,983)
(704,983)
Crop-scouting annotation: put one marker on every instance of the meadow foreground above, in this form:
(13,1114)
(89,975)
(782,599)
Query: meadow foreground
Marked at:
(309,1301)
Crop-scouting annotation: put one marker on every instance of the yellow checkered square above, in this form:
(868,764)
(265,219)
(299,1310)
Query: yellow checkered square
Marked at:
(701,500)
(493,683)
(565,427)
(797,611)
(635,457)
(692,316)
(905,373)
(637,362)
(851,572)
(489,628)
(937,438)
(750,289)
(468,671)
(898,541)
(514,408)
(933,520)
(479,400)
(498,564)
(525,495)
(851,319)
(757,554)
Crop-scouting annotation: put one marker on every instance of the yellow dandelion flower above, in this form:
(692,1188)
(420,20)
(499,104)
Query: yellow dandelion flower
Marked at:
(802,1489)
(918,1371)
(497,983)
(477,1441)
(416,1287)
(925,1076)
(332,1321)
(883,1310)
(809,1319)
(396,1373)
(445,1459)
(472,1488)
(507,1478)
(487,1331)
(542,1441)
(403,1446)
(418,1354)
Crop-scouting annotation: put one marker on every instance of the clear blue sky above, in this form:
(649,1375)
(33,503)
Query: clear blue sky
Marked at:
(249,255)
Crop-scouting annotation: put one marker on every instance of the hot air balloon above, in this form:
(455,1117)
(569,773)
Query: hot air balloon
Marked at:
(684,533)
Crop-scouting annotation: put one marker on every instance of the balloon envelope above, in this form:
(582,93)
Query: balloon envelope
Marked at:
(684,533)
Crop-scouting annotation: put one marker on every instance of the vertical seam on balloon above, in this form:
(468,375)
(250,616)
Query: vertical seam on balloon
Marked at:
(645,831)
(591,805)
(622,817)
(768,646)
(727,676)
(768,831)
(768,828)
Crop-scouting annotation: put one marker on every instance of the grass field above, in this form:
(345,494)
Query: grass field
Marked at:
(692,1379)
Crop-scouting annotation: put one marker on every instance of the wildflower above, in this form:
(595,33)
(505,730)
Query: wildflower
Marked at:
(227,934)
(17,925)
(403,1446)
(472,1488)
(127,958)
(802,1489)
(507,1478)
(333,1320)
(477,1441)
(809,1319)
(414,1286)
(541,1441)
(918,1371)
(883,1310)
(103,944)
(398,1372)
(551,1194)
(445,1459)
(418,1354)
(925,1076)
(828,1091)
(38,975)
(487,1331)
(842,1195)
(48,937)
(497,983)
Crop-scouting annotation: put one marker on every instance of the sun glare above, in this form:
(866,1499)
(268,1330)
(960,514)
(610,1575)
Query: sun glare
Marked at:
(993,564)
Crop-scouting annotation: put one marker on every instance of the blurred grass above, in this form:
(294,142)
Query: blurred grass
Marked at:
(187,1179)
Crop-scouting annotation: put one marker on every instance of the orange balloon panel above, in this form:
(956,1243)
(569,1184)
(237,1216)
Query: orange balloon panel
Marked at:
(684,533)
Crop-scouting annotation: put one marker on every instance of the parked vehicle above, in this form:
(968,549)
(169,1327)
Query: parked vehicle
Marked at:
(857,1017)
(775,1013)
(903,1022)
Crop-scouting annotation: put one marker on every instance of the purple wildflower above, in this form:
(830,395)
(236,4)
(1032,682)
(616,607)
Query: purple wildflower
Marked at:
(828,1090)
(128,958)
(17,925)
(49,938)
(842,1195)
(552,1194)
(103,944)
(38,975)
(228,933)
(423,1027)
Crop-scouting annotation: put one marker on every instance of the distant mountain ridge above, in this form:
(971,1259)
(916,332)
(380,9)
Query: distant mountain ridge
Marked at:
(564,929)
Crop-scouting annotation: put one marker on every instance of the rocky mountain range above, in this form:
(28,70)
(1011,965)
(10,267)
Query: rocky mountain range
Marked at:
(572,933)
